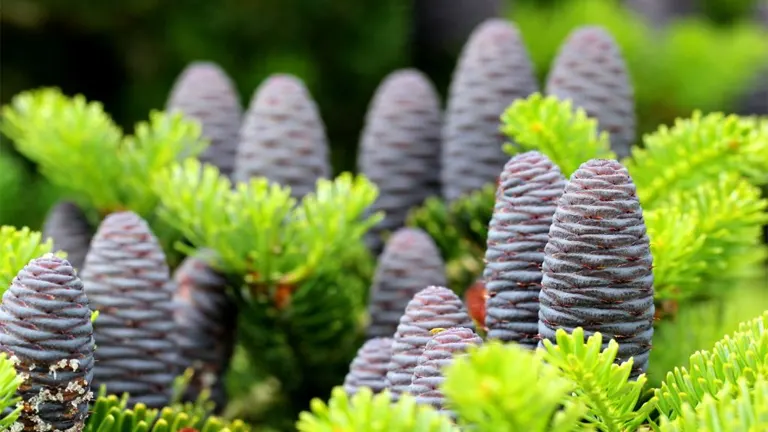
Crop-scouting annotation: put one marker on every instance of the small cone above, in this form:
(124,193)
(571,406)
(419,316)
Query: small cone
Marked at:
(127,281)
(433,307)
(205,93)
(45,329)
(369,368)
(205,317)
(526,199)
(400,148)
(440,351)
(493,71)
(590,71)
(283,137)
(598,265)
(67,225)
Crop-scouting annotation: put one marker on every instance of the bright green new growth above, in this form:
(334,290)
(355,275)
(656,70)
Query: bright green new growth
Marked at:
(17,248)
(553,127)
(366,412)
(9,383)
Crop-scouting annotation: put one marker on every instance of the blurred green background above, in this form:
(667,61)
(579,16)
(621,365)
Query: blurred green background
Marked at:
(683,55)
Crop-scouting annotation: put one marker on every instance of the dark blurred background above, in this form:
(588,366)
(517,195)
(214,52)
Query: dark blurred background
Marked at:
(127,53)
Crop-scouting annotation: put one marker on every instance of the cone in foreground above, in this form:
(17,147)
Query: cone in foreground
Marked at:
(205,317)
(45,329)
(590,71)
(127,281)
(433,307)
(70,230)
(526,198)
(493,71)
(369,368)
(597,263)
(410,263)
(282,137)
(400,148)
(440,351)
(204,93)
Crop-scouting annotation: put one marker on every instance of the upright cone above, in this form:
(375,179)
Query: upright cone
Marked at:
(45,329)
(598,265)
(369,368)
(67,225)
(127,281)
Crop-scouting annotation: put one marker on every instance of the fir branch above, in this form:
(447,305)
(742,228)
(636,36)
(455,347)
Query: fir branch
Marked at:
(599,383)
(740,408)
(499,387)
(717,372)
(705,235)
(553,127)
(366,412)
(9,383)
(694,150)
(17,248)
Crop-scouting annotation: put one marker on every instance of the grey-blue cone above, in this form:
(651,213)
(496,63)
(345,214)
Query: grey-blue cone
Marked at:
(67,226)
(598,265)
(369,367)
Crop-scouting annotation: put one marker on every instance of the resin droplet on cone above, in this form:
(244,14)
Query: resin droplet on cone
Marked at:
(282,137)
(400,148)
(128,282)
(590,71)
(526,198)
(70,230)
(45,329)
(369,368)
(493,71)
(205,93)
(410,262)
(433,307)
(437,355)
(598,265)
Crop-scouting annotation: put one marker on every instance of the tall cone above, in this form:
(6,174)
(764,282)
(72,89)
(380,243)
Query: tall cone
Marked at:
(70,230)
(369,368)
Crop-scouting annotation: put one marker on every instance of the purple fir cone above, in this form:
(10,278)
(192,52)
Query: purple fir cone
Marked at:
(45,329)
(493,71)
(433,307)
(204,92)
(400,148)
(526,199)
(283,137)
(590,71)
(70,231)
(410,262)
(127,280)
(440,351)
(205,317)
(369,368)
(598,265)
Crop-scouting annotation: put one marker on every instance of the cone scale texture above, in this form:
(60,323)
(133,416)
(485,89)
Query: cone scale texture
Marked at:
(433,307)
(590,71)
(492,72)
(410,262)
(369,368)
(45,329)
(283,137)
(205,93)
(597,263)
(526,198)
(438,354)
(400,148)
(205,317)
(127,281)
(67,225)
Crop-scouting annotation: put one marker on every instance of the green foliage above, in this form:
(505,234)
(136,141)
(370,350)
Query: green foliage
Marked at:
(600,384)
(17,248)
(9,383)
(553,127)
(742,355)
(366,412)
(25,198)
(111,414)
